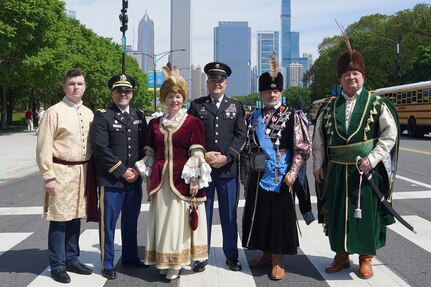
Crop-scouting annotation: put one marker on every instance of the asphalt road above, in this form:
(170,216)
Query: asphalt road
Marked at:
(406,258)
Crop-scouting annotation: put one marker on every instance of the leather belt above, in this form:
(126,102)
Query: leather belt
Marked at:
(65,162)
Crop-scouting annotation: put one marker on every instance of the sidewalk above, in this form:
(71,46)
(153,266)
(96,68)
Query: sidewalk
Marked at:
(17,155)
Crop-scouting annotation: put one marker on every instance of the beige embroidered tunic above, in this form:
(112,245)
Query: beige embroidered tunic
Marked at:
(64,134)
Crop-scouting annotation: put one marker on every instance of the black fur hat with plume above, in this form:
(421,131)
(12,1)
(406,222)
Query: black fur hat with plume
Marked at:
(273,79)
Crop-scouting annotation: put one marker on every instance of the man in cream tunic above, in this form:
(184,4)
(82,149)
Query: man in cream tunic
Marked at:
(63,150)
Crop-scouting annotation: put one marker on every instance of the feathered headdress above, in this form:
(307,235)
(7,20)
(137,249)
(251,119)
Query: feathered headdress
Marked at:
(173,82)
(272,79)
(273,66)
(345,38)
(351,59)
(170,70)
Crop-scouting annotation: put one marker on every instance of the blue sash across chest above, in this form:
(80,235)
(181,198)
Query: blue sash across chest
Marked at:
(275,168)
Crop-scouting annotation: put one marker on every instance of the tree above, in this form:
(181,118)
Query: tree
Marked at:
(25,28)
(39,44)
(376,37)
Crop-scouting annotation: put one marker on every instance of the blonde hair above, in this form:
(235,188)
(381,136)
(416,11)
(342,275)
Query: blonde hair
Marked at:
(173,83)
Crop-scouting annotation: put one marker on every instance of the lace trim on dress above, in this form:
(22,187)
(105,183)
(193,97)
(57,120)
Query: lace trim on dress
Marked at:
(176,120)
(196,167)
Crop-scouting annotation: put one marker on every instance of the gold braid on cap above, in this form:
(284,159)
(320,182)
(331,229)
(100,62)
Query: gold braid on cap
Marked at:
(345,38)
(273,66)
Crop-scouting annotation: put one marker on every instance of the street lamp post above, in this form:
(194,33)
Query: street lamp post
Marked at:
(397,68)
(156,58)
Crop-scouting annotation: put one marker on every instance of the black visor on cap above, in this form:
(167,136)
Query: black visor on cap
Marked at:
(217,75)
(123,89)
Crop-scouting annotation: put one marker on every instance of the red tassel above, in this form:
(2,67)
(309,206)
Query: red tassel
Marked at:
(193,218)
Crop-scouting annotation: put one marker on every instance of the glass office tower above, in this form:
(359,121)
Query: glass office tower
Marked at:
(146,42)
(232,46)
(267,43)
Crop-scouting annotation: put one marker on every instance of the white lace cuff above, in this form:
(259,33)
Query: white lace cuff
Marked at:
(145,165)
(196,167)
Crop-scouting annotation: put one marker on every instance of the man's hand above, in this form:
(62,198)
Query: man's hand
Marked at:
(289,179)
(219,161)
(211,156)
(318,175)
(131,175)
(365,165)
(49,186)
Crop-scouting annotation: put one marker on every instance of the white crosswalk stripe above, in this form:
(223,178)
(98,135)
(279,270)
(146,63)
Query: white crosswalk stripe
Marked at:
(316,246)
(423,228)
(313,243)
(9,240)
(217,273)
(90,255)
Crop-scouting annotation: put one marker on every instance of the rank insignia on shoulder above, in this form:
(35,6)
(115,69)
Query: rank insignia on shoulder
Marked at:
(101,110)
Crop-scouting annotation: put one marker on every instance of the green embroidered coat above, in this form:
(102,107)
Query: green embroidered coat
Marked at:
(347,233)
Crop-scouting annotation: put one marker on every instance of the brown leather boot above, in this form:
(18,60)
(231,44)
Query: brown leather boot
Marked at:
(365,268)
(263,261)
(277,272)
(341,260)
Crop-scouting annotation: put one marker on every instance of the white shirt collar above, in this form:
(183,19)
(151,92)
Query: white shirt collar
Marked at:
(72,104)
(275,107)
(125,110)
(219,99)
(358,92)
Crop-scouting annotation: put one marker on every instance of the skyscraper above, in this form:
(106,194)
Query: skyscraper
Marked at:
(295,75)
(198,86)
(232,45)
(290,44)
(146,42)
(181,35)
(285,33)
(267,44)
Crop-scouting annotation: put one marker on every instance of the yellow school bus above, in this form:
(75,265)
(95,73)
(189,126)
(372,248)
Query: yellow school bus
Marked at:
(413,104)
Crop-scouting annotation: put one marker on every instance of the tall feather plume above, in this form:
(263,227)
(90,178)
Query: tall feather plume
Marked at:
(171,71)
(167,70)
(345,38)
(273,66)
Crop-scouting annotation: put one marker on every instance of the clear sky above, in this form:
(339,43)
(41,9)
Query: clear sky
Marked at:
(314,19)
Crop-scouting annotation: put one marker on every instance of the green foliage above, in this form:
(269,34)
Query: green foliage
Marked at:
(376,37)
(298,98)
(39,44)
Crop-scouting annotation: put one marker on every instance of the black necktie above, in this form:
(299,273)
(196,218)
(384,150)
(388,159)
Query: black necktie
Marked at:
(215,102)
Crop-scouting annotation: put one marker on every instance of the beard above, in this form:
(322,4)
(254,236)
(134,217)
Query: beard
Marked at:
(271,104)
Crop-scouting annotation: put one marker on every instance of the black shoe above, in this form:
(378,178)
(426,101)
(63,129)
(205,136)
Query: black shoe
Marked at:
(79,268)
(199,266)
(234,264)
(109,273)
(60,275)
(137,263)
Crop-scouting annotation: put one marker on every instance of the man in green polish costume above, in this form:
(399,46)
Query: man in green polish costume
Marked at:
(358,123)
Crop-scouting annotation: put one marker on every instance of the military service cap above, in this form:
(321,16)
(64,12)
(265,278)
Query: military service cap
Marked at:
(217,70)
(121,81)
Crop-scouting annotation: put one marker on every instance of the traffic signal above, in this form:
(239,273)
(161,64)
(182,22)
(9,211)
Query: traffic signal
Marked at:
(123,16)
